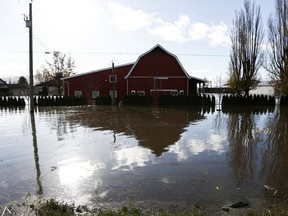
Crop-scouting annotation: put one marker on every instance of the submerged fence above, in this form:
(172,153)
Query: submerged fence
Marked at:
(251,100)
(12,102)
(284,101)
(44,101)
(137,100)
(60,101)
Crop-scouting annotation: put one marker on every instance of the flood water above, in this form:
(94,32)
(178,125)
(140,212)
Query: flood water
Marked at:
(123,154)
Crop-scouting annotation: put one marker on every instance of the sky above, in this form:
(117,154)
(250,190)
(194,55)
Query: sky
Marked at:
(96,33)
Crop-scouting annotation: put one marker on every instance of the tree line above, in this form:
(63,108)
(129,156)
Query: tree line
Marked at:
(247,54)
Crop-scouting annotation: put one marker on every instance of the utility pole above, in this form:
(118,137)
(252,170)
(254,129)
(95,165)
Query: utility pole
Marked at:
(28,21)
(113,93)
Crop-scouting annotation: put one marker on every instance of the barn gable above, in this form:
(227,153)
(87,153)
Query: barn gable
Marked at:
(159,72)
(157,62)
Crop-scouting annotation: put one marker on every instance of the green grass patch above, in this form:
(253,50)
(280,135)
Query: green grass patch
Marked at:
(54,208)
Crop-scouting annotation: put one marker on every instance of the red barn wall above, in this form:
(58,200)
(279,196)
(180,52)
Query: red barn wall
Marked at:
(157,70)
(97,81)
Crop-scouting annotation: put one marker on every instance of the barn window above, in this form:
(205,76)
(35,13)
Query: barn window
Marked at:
(95,94)
(174,93)
(133,92)
(181,92)
(111,94)
(141,93)
(78,93)
(112,78)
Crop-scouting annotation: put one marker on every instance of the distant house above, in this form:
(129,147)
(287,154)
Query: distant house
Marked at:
(264,87)
(156,72)
(13,89)
(46,88)
(4,90)
(18,90)
(218,90)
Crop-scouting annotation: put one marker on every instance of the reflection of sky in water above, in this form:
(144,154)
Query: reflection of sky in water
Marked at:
(72,171)
(130,157)
(199,138)
(87,156)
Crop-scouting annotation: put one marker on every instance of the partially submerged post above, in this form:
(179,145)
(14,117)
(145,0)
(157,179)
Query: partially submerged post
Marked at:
(113,80)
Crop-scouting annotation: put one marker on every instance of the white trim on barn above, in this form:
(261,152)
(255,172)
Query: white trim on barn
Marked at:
(158,77)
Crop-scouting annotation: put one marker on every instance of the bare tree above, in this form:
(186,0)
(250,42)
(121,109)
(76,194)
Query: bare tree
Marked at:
(246,54)
(277,63)
(43,75)
(60,67)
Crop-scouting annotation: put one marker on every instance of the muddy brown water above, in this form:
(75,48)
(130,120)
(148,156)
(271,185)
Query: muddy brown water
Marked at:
(98,154)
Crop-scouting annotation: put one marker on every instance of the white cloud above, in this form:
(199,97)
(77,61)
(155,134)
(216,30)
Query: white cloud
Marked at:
(198,31)
(9,68)
(181,30)
(175,32)
(127,19)
(218,35)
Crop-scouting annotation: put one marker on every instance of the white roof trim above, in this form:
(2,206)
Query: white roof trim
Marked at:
(96,71)
(158,45)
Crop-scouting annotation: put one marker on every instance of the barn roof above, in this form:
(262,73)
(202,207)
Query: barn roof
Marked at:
(96,71)
(3,84)
(48,83)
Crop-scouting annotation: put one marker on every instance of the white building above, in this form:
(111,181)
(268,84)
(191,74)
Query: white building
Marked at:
(264,87)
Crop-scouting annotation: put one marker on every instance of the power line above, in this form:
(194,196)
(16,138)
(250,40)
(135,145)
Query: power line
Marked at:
(41,43)
(129,53)
(134,53)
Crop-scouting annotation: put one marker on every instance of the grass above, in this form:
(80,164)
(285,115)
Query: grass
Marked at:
(54,208)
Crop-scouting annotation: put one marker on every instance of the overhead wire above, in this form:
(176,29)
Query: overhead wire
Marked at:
(42,43)
(128,53)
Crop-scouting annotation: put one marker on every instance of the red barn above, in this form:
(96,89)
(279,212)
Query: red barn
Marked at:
(155,72)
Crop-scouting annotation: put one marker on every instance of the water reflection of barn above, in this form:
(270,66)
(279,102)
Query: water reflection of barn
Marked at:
(159,129)
(156,72)
(153,128)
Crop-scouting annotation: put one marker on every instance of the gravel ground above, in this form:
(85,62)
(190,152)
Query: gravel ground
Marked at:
(25,208)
